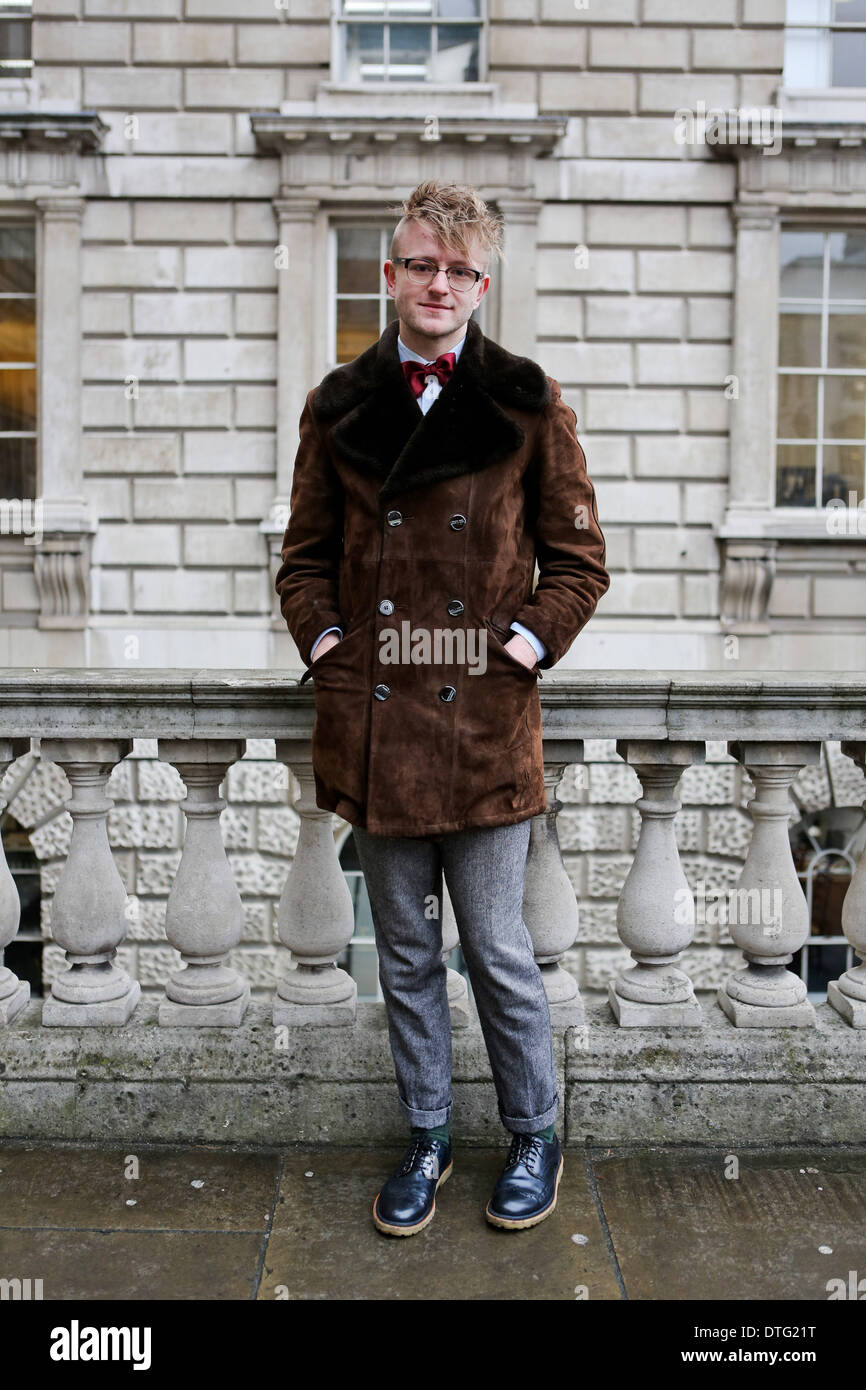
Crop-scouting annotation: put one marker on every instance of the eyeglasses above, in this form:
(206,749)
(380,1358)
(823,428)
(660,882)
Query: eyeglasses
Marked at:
(421,272)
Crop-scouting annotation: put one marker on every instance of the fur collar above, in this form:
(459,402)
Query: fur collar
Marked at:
(376,424)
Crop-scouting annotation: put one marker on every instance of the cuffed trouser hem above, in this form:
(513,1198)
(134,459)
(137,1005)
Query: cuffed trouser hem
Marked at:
(426,1119)
(534,1123)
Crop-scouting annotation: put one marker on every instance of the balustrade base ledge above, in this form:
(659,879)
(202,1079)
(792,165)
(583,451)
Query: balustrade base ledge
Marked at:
(852,1010)
(11,1006)
(633,1013)
(255,1084)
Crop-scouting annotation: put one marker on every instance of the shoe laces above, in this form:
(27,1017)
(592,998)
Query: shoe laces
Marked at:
(419,1151)
(525,1148)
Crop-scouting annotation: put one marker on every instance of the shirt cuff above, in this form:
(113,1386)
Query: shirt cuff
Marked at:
(320,636)
(535,642)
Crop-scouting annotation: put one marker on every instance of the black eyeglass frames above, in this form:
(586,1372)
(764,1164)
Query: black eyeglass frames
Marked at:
(421,272)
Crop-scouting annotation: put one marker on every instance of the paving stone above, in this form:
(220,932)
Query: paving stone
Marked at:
(681,1229)
(324,1244)
(136,1264)
(57,1187)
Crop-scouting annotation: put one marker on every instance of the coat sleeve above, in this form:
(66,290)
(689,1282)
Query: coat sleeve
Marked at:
(308,579)
(569,545)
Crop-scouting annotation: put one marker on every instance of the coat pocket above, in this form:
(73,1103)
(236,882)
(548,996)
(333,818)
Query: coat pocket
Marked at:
(497,645)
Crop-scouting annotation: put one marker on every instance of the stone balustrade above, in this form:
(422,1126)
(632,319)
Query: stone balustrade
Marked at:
(85,721)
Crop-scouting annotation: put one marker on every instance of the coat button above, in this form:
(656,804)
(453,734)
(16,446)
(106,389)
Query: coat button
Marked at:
(455,607)
(394,518)
(457,522)
(447,694)
(386,606)
(382,692)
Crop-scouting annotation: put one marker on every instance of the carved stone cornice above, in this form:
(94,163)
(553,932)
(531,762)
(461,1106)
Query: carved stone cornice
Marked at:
(794,160)
(364,153)
(42,150)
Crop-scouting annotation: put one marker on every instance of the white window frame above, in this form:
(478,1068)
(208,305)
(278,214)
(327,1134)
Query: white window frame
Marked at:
(339,21)
(11,12)
(821,372)
(821,26)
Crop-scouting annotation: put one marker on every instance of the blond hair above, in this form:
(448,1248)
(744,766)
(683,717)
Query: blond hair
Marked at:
(454,212)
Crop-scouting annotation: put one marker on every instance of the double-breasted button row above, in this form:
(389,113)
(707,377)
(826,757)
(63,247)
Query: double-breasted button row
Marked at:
(457,522)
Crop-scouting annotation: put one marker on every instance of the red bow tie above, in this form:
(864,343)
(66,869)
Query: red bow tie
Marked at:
(416,373)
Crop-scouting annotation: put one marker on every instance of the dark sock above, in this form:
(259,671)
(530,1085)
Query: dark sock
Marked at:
(548,1134)
(442,1132)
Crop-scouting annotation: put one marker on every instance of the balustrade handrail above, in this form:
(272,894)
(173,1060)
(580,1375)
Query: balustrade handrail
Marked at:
(592,704)
(86,721)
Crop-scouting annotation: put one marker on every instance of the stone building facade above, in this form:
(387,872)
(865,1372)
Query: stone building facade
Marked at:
(196,200)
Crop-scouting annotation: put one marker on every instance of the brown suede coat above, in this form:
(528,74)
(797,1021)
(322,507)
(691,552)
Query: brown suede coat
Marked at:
(441,517)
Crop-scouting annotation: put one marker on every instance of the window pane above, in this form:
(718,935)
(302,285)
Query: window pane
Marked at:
(357,326)
(365,51)
(17,330)
(844,407)
(802,261)
(843,471)
(358,267)
(846,339)
(849,11)
(410,51)
(795,476)
(849,59)
(799,338)
(809,11)
(14,40)
(17,467)
(848,265)
(457,59)
(798,407)
(808,58)
(17,399)
(17,260)
(458,9)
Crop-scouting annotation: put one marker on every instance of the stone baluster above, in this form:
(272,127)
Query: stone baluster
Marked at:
(550,908)
(768,916)
(315,918)
(14,993)
(88,914)
(458,990)
(848,994)
(655,915)
(204,915)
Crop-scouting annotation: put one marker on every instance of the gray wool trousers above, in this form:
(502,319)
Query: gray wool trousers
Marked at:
(484,869)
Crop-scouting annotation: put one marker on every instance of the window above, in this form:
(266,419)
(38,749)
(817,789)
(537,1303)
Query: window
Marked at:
(821,422)
(825,43)
(17,361)
(15,17)
(362,306)
(409,40)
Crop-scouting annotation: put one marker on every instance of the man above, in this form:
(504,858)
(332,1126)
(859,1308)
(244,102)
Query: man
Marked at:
(432,472)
